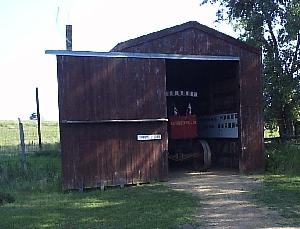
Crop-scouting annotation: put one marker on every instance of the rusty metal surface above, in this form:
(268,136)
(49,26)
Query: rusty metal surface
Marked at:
(96,153)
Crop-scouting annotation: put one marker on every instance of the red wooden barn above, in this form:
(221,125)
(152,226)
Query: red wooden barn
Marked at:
(114,106)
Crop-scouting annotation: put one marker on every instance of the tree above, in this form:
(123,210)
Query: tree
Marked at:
(274,26)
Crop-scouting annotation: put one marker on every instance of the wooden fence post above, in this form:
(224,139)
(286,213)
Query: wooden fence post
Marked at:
(22,143)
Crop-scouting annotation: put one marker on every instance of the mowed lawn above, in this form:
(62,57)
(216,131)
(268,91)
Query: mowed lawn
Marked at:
(38,202)
(281,185)
(282,193)
(148,206)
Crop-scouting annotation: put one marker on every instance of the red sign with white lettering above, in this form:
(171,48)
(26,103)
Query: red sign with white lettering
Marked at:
(183,127)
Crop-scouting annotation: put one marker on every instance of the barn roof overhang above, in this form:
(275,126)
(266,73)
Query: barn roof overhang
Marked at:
(141,55)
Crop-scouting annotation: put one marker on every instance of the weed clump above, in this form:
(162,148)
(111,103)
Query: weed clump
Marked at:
(42,174)
(6,198)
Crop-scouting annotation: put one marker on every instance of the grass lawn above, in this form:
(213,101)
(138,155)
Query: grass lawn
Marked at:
(39,203)
(271,133)
(281,187)
(149,206)
(282,193)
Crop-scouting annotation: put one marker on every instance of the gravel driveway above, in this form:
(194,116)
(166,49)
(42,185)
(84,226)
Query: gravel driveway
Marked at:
(225,200)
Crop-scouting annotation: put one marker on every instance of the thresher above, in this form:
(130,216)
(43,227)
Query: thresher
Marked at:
(184,142)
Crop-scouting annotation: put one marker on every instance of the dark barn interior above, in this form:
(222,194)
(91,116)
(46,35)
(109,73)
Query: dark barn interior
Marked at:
(216,85)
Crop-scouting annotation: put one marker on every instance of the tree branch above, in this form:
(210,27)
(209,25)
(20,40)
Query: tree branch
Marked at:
(277,62)
(274,40)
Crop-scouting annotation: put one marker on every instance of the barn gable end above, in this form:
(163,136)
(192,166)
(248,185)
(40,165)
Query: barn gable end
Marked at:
(189,38)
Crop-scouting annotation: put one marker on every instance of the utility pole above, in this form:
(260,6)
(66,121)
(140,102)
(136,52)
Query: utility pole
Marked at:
(38,117)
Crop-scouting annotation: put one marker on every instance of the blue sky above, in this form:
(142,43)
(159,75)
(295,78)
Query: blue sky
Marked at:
(30,27)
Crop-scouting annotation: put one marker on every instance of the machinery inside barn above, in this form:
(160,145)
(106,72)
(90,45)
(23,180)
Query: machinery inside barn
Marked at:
(201,115)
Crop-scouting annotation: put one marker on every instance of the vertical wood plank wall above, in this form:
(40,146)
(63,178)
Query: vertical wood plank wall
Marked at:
(93,89)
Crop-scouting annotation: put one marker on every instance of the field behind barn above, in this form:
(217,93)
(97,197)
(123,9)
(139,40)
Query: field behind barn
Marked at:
(10,138)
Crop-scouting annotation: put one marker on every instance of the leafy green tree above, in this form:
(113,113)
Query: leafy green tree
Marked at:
(274,26)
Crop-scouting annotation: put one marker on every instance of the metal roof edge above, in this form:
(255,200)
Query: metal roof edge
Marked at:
(140,55)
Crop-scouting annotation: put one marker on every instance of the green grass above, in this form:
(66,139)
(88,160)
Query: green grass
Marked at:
(149,206)
(9,132)
(283,158)
(43,172)
(271,133)
(282,193)
(39,202)
(9,135)
(281,184)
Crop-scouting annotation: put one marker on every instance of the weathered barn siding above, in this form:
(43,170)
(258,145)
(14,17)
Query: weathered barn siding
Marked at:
(93,93)
(194,38)
(252,142)
(108,154)
(104,102)
(98,88)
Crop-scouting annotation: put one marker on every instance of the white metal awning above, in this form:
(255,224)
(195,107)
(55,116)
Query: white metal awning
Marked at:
(142,55)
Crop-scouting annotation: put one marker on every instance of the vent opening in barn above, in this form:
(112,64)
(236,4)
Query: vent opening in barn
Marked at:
(183,96)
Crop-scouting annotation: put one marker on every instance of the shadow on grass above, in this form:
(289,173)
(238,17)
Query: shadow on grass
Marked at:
(149,206)
(39,202)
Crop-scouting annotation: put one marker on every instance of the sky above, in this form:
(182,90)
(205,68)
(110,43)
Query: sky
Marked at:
(30,27)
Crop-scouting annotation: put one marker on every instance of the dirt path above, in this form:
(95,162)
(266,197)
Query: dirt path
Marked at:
(225,200)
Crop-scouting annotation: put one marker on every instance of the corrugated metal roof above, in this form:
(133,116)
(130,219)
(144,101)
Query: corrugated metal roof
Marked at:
(141,55)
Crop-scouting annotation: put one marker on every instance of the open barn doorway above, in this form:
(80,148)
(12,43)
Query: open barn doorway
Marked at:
(203,113)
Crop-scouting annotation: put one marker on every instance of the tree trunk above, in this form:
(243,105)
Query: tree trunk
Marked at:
(286,128)
(297,129)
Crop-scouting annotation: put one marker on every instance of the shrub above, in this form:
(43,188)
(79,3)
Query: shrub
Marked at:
(283,158)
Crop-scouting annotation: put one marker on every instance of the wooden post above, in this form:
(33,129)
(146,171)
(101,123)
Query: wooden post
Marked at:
(69,37)
(38,117)
(22,143)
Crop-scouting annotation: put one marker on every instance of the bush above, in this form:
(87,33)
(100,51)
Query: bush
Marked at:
(6,198)
(283,158)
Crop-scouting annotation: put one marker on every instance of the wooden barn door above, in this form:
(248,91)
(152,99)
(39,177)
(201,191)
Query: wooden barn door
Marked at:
(113,120)
(251,117)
